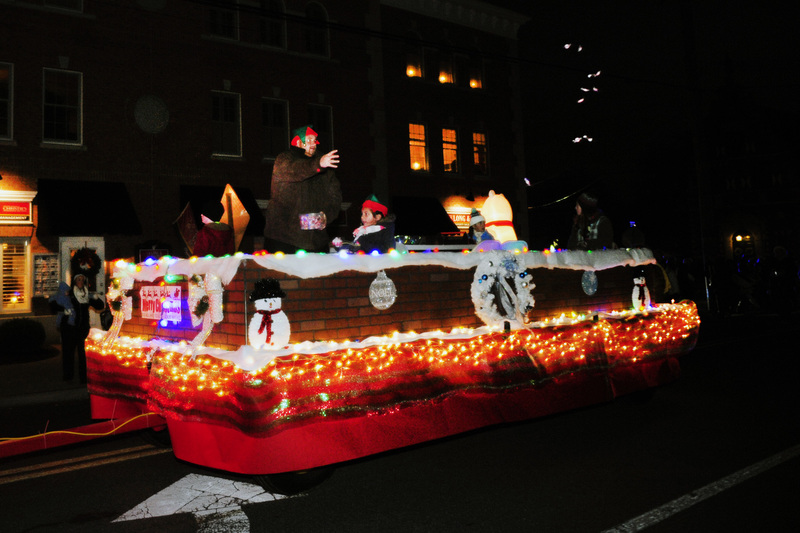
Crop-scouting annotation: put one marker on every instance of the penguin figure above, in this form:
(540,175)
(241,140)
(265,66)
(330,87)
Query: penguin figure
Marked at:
(641,294)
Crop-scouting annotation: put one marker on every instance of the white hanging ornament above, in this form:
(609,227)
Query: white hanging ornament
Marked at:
(641,294)
(382,292)
(589,282)
(269,328)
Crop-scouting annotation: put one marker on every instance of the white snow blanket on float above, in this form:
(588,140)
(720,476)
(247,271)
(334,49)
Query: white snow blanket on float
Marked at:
(319,265)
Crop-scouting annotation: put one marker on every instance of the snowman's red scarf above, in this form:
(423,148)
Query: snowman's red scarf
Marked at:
(266,322)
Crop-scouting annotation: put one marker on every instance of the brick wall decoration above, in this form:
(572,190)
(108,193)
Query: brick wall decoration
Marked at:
(429,297)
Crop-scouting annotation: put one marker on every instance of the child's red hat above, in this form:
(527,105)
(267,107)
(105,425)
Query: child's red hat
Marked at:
(375,206)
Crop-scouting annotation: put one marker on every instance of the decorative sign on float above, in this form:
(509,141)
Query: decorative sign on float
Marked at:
(161,302)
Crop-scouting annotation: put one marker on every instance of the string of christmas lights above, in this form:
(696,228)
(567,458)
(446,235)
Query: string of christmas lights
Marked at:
(383,378)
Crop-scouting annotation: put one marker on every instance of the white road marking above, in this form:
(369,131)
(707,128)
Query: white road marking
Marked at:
(678,505)
(214,502)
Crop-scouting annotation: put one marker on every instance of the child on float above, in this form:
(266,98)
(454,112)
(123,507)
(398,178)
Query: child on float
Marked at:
(477,227)
(376,231)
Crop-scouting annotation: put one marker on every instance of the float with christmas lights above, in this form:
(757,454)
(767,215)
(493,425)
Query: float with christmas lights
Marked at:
(262,364)
(266,364)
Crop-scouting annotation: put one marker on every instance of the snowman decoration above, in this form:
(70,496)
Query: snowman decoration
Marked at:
(269,327)
(641,295)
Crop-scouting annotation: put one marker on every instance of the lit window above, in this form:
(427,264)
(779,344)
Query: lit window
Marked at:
(446,70)
(480,154)
(14,278)
(450,150)
(316,30)
(417,147)
(273,24)
(413,56)
(62,106)
(413,65)
(225,124)
(275,120)
(476,78)
(6,100)
(224,21)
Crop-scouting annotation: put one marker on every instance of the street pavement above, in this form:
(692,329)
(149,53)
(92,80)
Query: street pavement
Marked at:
(37,381)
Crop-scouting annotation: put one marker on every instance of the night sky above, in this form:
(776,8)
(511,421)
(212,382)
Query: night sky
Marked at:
(640,161)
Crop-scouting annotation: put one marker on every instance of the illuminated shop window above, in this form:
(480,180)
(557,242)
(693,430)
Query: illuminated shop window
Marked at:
(273,24)
(6,100)
(226,130)
(417,147)
(14,280)
(275,120)
(316,31)
(480,154)
(450,150)
(223,19)
(72,5)
(62,107)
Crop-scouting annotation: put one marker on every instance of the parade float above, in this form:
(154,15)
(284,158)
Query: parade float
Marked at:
(278,365)
(269,363)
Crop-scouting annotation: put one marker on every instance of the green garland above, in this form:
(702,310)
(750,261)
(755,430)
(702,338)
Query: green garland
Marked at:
(201,307)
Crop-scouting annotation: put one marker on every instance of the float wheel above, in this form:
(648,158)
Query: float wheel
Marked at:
(290,483)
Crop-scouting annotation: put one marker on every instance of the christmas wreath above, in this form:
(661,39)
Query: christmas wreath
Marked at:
(501,289)
(85,261)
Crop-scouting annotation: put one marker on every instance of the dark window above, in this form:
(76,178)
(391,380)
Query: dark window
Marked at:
(223,20)
(273,24)
(6,100)
(275,119)
(316,30)
(321,119)
(225,124)
(62,106)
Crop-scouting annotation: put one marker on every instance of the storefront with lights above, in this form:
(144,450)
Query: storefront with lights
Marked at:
(17,233)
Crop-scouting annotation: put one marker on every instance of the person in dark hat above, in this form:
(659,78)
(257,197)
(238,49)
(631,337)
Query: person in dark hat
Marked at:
(591,229)
(305,196)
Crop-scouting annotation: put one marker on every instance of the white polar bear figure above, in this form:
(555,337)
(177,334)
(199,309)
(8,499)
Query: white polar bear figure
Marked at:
(269,328)
(498,214)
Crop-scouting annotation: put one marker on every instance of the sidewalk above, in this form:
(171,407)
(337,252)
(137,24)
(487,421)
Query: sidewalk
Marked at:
(38,381)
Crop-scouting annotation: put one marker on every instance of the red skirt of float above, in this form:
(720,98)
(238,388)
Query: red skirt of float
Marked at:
(307,411)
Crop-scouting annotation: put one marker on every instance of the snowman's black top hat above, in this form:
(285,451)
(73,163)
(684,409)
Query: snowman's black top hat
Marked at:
(267,288)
